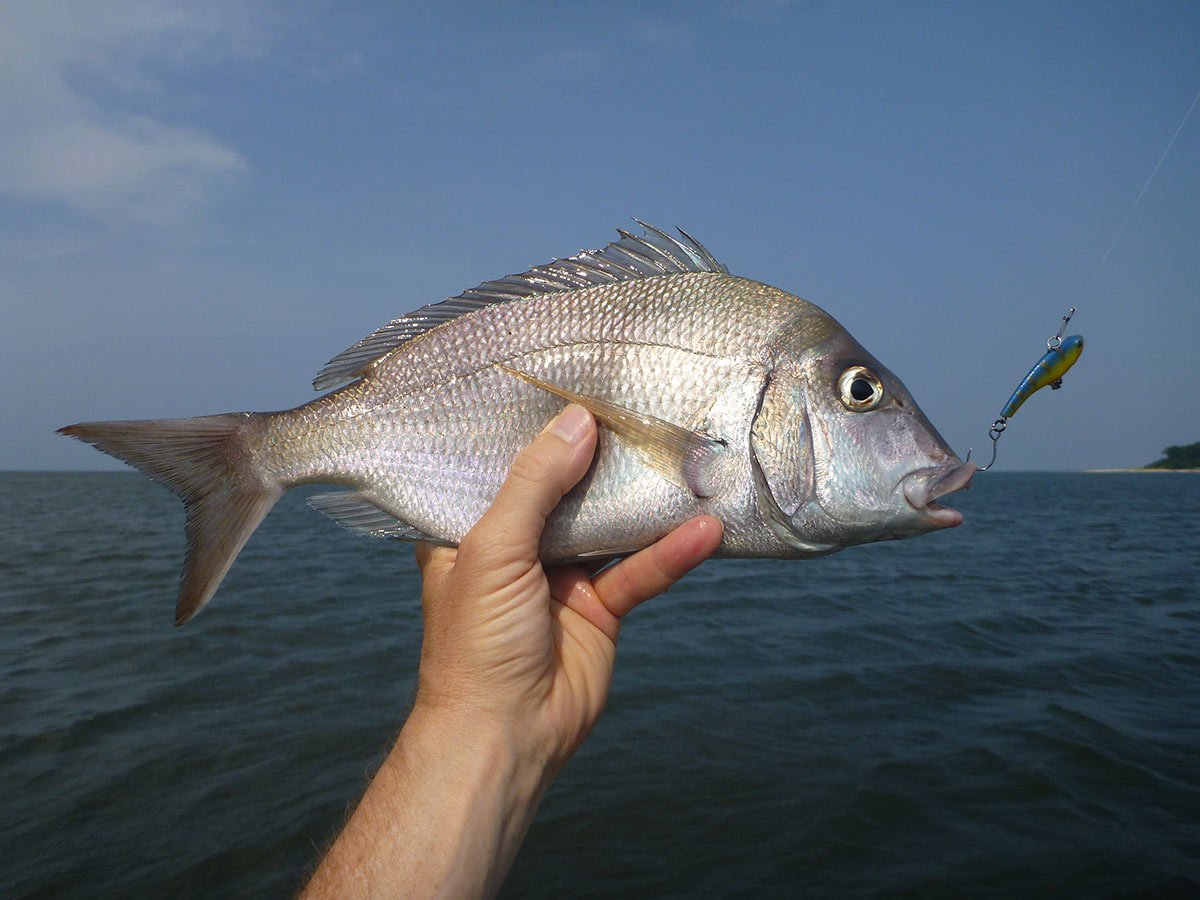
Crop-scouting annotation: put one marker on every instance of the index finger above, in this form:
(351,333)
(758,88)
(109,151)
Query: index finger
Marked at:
(651,571)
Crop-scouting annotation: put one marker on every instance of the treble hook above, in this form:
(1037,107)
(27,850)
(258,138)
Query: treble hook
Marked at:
(1060,355)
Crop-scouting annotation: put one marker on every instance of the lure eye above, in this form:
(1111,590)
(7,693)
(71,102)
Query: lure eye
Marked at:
(860,389)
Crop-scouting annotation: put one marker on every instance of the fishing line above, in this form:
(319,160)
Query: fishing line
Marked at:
(1061,353)
(1141,194)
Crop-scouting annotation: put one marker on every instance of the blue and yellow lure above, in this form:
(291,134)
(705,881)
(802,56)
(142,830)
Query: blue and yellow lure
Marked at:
(1048,370)
(1061,353)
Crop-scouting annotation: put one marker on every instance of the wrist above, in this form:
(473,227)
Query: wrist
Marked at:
(443,817)
(483,757)
(507,725)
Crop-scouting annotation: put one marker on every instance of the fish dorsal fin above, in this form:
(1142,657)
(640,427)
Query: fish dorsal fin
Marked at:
(683,457)
(631,257)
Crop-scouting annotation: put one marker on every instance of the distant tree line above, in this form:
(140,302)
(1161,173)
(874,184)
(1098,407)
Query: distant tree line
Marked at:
(1185,457)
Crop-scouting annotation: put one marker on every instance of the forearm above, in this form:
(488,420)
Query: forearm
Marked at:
(443,817)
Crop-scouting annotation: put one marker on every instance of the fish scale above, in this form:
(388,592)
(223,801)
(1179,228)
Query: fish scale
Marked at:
(714,394)
(407,395)
(702,349)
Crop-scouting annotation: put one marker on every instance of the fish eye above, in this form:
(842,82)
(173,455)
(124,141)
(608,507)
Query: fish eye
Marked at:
(860,389)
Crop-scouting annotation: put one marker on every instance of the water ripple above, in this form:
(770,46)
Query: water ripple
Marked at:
(1005,709)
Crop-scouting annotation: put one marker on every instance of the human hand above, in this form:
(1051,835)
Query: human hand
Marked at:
(528,651)
(515,668)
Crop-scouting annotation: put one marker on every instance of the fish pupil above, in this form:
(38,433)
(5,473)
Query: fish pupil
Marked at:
(861,389)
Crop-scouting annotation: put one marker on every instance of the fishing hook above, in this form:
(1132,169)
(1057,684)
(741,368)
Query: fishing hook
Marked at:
(994,433)
(1060,355)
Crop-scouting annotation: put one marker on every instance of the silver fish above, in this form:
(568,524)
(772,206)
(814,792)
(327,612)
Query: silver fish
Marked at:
(715,394)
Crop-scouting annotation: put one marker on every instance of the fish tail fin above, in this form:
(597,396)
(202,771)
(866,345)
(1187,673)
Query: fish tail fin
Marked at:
(204,461)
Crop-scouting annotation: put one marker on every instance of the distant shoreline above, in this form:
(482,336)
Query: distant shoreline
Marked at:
(1147,471)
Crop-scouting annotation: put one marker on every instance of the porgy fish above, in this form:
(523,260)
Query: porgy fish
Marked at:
(715,394)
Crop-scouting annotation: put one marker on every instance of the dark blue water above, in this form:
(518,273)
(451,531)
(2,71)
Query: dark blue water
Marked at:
(1008,709)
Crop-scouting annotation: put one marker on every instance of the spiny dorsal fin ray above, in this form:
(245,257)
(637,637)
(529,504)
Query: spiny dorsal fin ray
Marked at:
(681,456)
(631,257)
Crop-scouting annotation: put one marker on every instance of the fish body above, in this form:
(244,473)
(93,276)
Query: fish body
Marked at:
(715,394)
(1048,370)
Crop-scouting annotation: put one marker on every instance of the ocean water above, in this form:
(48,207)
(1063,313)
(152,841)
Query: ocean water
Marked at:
(1008,709)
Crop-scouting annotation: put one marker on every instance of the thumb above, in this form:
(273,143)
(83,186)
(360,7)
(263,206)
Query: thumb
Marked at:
(511,529)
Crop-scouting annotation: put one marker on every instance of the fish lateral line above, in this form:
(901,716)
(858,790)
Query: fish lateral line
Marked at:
(707,389)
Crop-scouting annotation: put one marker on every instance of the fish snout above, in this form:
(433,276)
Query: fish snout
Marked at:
(923,487)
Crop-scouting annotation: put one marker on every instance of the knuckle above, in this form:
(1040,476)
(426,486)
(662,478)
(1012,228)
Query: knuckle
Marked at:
(483,553)
(474,544)
(467,546)
(634,589)
(665,572)
(536,464)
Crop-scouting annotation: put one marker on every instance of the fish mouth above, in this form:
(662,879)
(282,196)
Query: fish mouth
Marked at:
(923,487)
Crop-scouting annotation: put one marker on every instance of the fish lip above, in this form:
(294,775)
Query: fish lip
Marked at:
(924,486)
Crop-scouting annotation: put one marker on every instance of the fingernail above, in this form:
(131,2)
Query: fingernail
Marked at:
(571,424)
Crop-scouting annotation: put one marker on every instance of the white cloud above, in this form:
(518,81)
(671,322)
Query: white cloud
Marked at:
(72,75)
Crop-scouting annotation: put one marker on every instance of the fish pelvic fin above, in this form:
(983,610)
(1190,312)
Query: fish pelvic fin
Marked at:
(683,457)
(203,460)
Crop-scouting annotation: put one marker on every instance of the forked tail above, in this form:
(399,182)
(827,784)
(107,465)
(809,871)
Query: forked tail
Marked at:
(205,461)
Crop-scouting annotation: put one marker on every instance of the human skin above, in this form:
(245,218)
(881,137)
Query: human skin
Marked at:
(516,665)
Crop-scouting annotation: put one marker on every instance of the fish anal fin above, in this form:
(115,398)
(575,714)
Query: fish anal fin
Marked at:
(357,512)
(596,556)
(680,455)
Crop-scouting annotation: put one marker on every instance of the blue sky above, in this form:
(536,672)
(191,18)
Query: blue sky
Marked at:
(201,203)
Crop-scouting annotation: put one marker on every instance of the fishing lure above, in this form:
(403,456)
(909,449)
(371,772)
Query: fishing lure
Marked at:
(1061,353)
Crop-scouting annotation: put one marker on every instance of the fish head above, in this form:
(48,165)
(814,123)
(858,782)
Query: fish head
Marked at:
(848,456)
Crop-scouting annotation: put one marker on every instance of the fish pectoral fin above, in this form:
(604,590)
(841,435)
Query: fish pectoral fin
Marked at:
(357,512)
(683,457)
